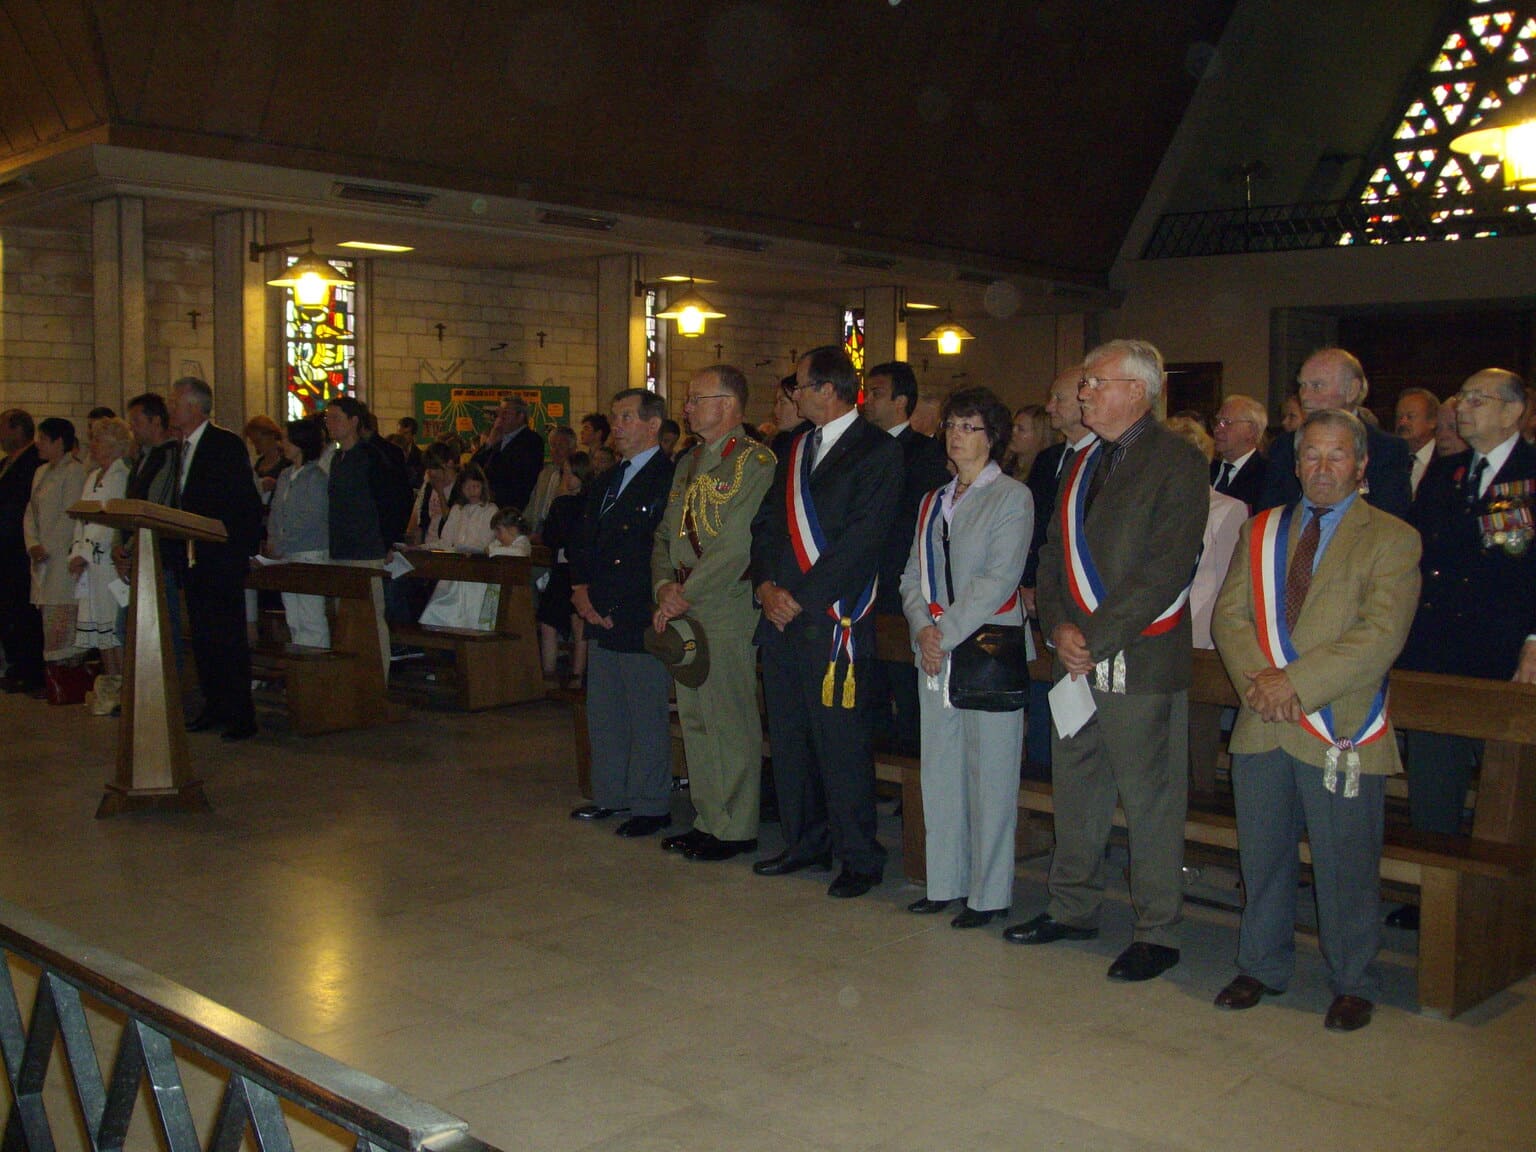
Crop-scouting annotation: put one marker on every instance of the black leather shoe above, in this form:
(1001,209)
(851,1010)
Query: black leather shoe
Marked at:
(237,732)
(1143,961)
(1243,993)
(203,721)
(713,848)
(850,883)
(595,812)
(1405,916)
(971,918)
(1043,930)
(783,864)
(1348,1014)
(637,826)
(684,840)
(927,907)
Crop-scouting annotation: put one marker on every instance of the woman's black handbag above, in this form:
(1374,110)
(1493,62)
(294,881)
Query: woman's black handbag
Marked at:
(989,670)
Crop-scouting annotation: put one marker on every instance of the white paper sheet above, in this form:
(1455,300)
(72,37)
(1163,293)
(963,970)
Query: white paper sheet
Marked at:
(1072,705)
(398,565)
(119,590)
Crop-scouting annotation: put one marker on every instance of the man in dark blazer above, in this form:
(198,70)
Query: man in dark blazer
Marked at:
(1113,602)
(512,456)
(21,626)
(1477,610)
(216,481)
(1239,470)
(627,687)
(890,394)
(1333,378)
(1065,413)
(816,545)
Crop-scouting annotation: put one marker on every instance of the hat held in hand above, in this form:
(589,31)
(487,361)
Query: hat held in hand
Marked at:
(683,649)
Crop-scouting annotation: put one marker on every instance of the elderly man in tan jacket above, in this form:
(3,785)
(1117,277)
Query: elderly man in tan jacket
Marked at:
(1315,608)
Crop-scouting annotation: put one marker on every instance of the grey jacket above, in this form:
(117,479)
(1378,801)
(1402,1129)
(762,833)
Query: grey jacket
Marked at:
(300,520)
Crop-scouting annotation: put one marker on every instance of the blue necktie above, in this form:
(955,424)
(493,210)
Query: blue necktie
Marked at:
(611,497)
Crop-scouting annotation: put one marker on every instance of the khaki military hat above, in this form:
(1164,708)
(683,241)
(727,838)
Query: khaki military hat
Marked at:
(683,649)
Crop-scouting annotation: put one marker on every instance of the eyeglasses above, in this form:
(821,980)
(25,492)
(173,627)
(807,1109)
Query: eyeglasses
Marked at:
(700,399)
(812,384)
(1097,382)
(1223,422)
(962,426)
(1478,399)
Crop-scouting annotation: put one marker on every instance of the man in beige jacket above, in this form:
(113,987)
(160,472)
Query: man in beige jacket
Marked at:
(1315,608)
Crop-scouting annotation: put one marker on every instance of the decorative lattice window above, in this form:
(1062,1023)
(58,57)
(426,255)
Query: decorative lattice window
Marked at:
(320,347)
(1488,56)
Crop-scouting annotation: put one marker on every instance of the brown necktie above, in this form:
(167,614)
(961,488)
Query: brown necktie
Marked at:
(1298,581)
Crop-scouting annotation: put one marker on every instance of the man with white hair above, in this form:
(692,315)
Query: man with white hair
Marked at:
(1113,597)
(1239,468)
(1333,378)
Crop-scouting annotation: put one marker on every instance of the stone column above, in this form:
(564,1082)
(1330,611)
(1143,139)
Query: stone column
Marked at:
(120,333)
(620,328)
(245,317)
(885,332)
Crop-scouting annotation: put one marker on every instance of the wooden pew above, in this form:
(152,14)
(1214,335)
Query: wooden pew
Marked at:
(495,667)
(340,687)
(1477,894)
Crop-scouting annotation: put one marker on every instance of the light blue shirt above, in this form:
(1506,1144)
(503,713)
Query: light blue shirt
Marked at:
(636,462)
(1329,525)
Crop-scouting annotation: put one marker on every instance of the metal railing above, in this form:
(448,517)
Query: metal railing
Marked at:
(262,1069)
(1336,224)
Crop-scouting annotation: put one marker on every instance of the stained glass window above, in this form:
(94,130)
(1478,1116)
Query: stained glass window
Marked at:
(1488,56)
(652,343)
(853,338)
(319,361)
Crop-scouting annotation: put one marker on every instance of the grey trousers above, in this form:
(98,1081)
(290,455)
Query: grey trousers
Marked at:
(1278,797)
(970,779)
(1123,751)
(627,726)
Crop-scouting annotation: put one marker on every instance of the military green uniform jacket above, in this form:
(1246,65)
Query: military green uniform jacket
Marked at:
(716,491)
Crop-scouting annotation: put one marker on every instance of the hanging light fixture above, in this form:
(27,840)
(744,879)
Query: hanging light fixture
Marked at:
(690,310)
(310,276)
(1509,134)
(949,337)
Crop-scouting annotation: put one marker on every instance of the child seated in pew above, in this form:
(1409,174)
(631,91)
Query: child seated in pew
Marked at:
(457,603)
(511,540)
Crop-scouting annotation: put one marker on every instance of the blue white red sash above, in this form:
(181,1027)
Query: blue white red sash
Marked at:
(1083,579)
(930,521)
(1268,549)
(808,540)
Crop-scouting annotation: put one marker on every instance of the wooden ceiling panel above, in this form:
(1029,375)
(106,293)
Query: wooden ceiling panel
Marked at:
(243,69)
(55,38)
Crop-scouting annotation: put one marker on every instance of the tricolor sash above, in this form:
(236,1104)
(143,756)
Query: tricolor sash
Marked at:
(1268,550)
(1083,579)
(930,527)
(808,540)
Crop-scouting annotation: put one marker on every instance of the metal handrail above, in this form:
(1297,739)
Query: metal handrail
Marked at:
(264,1068)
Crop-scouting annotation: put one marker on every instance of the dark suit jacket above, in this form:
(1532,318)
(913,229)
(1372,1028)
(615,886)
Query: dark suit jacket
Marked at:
(15,491)
(612,553)
(922,470)
(149,479)
(857,490)
(1248,484)
(513,469)
(1387,473)
(1042,483)
(220,485)
(1478,604)
(1144,532)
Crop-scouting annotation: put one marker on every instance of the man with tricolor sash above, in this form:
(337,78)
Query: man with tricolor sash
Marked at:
(816,544)
(1315,608)
(1113,593)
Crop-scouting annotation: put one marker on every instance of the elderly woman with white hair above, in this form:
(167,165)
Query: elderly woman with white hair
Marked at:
(90,555)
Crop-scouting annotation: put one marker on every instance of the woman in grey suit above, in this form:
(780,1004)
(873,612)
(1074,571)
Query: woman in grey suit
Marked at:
(967,558)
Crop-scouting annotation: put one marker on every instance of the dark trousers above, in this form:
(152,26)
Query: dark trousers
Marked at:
(216,607)
(822,769)
(1439,770)
(21,629)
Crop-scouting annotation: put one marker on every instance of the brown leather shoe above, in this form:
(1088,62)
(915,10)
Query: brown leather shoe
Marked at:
(1243,993)
(1348,1014)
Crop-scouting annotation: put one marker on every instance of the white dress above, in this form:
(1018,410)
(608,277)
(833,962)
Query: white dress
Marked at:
(96,625)
(457,603)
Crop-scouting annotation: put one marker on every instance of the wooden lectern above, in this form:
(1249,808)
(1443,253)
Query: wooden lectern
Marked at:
(152,766)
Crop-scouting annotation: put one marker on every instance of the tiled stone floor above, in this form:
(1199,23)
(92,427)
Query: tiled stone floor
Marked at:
(414,901)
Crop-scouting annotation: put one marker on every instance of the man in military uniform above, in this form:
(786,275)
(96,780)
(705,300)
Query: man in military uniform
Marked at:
(699,568)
